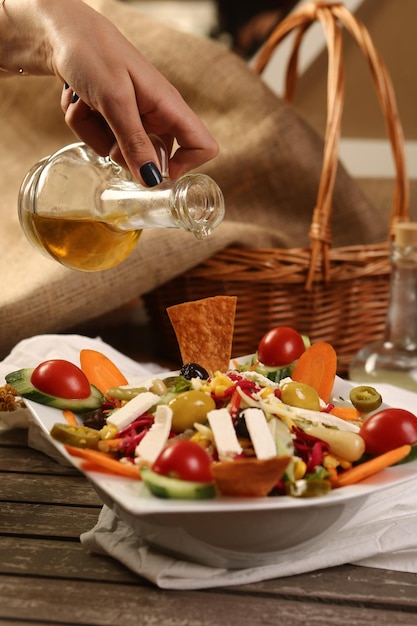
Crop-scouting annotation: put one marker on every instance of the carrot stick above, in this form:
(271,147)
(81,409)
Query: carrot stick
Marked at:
(103,462)
(70,417)
(107,445)
(101,371)
(317,367)
(125,470)
(348,413)
(89,453)
(368,468)
(89,466)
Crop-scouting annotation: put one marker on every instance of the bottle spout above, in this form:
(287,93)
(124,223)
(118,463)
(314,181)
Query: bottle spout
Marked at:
(197,204)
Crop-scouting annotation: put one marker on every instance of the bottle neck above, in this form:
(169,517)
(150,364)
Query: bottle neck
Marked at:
(401,328)
(193,203)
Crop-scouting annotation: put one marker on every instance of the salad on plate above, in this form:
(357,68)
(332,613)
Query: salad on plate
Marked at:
(265,425)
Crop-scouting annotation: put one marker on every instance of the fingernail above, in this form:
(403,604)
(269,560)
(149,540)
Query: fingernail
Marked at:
(66,85)
(74,98)
(151,176)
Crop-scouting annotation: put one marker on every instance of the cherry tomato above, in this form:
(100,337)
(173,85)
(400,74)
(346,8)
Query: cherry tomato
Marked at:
(186,460)
(280,346)
(389,429)
(62,379)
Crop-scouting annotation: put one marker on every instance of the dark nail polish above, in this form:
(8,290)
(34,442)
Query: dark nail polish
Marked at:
(150,174)
(74,98)
(66,85)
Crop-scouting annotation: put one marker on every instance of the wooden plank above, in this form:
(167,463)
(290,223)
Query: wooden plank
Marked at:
(24,459)
(60,559)
(94,603)
(48,489)
(347,584)
(40,520)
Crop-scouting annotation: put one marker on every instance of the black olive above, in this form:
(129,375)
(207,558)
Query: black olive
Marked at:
(240,426)
(194,370)
(94,419)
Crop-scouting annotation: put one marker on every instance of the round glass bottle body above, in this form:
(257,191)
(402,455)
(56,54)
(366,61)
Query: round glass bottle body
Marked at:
(88,213)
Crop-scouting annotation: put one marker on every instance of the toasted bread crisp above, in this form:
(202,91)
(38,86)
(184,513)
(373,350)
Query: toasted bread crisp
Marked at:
(249,477)
(204,331)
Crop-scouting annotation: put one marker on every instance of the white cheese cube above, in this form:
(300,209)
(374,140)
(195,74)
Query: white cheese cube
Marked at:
(155,439)
(260,435)
(136,407)
(227,443)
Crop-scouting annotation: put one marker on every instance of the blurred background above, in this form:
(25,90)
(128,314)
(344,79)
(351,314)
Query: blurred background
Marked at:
(243,25)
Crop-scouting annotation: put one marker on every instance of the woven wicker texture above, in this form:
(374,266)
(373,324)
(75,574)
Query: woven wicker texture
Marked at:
(335,294)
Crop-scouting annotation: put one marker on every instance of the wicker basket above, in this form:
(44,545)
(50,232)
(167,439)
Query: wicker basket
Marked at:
(338,295)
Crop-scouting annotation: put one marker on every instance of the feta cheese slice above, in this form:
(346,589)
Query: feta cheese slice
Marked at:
(150,446)
(133,409)
(227,443)
(260,435)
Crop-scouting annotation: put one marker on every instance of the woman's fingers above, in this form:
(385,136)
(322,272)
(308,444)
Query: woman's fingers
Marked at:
(87,124)
(116,99)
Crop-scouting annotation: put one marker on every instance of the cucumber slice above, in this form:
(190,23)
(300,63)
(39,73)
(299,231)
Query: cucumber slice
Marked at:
(20,380)
(167,487)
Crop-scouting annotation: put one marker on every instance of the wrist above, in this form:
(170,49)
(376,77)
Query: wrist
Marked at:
(24,42)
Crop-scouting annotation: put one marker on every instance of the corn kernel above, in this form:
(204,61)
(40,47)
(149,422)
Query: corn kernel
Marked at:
(300,469)
(202,441)
(330,461)
(109,431)
(219,390)
(196,437)
(266,391)
(345,464)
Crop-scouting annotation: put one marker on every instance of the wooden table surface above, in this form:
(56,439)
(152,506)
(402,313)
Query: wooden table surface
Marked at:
(47,577)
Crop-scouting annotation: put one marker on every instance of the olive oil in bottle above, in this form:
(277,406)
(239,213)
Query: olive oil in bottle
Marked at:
(83,244)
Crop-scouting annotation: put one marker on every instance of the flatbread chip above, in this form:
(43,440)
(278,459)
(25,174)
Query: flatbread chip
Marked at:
(204,331)
(249,477)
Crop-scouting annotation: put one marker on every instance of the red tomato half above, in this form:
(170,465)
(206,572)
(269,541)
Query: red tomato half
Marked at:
(185,460)
(280,346)
(389,429)
(62,379)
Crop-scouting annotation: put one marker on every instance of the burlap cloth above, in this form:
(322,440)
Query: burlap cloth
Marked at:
(268,168)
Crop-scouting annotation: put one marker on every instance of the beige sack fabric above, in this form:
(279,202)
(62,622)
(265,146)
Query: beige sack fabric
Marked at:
(268,168)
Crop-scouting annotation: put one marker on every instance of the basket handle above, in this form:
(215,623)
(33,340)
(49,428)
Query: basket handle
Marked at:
(332,15)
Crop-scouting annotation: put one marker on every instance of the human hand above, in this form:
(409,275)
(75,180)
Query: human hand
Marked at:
(115,98)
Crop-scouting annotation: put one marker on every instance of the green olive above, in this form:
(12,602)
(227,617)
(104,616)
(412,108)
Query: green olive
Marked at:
(300,395)
(365,399)
(188,408)
(78,436)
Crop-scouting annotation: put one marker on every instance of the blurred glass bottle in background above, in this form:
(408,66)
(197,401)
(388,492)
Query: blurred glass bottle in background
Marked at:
(393,360)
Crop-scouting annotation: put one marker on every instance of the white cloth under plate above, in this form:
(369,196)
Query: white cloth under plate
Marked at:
(382,533)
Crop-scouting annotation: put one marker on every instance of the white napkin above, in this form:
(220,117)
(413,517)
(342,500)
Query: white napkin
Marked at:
(382,533)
